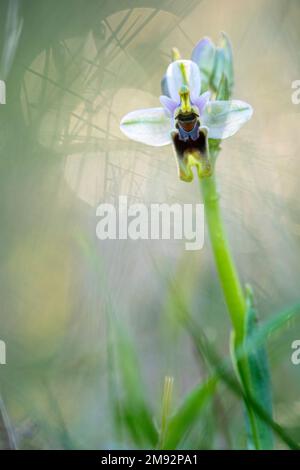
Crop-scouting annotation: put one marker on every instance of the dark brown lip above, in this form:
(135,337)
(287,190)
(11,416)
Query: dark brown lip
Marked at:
(187,117)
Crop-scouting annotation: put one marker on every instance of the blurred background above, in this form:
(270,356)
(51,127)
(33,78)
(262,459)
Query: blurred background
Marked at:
(72,70)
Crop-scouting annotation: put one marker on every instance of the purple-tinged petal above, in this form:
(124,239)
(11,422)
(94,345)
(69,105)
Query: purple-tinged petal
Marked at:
(202,101)
(204,56)
(203,53)
(164,86)
(168,104)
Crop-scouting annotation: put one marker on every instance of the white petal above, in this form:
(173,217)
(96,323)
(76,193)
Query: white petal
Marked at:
(150,126)
(225,118)
(183,72)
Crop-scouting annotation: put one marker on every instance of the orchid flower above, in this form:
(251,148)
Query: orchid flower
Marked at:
(188,118)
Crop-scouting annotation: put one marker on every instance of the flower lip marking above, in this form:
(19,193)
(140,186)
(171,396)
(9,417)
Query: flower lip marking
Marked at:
(188,129)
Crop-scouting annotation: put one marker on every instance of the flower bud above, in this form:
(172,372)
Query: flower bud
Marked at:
(214,64)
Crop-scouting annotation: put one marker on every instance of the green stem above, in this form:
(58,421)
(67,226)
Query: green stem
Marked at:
(228,275)
(231,285)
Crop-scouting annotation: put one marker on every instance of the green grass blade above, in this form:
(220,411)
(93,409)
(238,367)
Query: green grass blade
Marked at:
(255,376)
(132,407)
(7,435)
(223,370)
(188,413)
